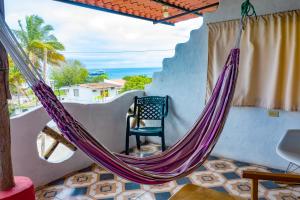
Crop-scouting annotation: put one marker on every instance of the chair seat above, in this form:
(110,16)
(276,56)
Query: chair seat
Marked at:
(194,192)
(147,131)
(289,147)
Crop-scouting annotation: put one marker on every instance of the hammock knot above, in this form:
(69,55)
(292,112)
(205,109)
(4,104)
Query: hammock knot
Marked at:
(247,10)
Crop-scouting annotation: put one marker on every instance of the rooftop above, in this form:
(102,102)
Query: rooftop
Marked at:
(120,82)
(157,11)
(100,85)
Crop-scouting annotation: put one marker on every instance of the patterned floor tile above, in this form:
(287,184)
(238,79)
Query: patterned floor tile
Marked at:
(132,186)
(106,189)
(231,175)
(220,166)
(79,191)
(183,181)
(207,179)
(133,195)
(81,197)
(201,168)
(240,164)
(242,188)
(60,181)
(146,196)
(74,194)
(50,193)
(223,175)
(98,169)
(69,193)
(146,149)
(87,169)
(212,158)
(283,195)
(295,188)
(106,176)
(162,195)
(176,189)
(270,185)
(161,187)
(82,179)
(219,189)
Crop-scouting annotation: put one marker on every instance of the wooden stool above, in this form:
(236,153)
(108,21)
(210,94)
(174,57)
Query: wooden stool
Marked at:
(194,192)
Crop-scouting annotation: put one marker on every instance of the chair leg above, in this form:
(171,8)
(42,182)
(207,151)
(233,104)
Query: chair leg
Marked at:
(163,145)
(254,189)
(127,144)
(138,142)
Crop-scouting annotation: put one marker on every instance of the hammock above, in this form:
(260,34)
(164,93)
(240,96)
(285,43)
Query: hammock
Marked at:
(178,161)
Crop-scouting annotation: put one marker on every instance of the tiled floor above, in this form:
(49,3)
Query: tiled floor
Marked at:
(95,183)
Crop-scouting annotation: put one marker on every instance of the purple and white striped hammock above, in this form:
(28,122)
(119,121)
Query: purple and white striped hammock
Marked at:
(178,161)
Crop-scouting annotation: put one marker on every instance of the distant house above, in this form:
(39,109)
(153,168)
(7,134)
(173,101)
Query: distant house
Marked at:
(92,92)
(119,82)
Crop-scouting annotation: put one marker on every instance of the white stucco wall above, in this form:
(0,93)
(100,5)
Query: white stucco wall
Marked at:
(106,122)
(88,94)
(250,134)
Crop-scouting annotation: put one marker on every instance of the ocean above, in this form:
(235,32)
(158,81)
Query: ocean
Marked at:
(119,73)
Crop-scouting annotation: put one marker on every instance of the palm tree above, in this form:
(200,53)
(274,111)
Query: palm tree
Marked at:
(39,43)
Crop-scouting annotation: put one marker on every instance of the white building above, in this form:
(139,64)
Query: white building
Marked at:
(92,92)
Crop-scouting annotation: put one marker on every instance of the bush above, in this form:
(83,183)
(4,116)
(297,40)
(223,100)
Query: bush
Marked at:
(135,82)
(72,72)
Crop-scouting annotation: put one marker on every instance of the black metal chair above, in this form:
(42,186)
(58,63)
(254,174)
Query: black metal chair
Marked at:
(147,108)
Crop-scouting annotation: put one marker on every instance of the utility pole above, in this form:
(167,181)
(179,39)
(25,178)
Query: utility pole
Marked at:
(6,171)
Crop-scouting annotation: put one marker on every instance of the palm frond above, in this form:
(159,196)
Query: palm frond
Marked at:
(56,45)
(35,36)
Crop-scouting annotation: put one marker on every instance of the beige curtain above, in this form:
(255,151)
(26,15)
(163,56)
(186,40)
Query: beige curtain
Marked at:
(270,60)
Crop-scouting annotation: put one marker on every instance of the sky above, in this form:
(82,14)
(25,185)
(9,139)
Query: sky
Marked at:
(88,31)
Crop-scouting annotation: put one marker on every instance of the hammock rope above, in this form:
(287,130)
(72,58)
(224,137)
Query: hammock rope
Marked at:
(184,157)
(247,9)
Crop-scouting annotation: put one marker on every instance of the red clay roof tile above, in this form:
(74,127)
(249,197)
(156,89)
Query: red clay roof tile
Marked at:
(151,9)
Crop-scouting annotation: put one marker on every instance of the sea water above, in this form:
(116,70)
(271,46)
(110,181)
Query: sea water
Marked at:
(119,73)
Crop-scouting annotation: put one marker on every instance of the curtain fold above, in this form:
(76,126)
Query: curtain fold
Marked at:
(270,60)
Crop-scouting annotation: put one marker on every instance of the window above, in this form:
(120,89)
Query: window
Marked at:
(104,93)
(76,92)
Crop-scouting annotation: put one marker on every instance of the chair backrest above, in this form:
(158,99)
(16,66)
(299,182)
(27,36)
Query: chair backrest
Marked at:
(151,107)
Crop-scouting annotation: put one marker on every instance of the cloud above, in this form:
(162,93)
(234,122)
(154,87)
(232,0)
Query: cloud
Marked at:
(86,30)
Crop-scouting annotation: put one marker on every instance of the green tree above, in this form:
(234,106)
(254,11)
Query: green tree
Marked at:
(70,73)
(135,82)
(97,79)
(15,80)
(38,41)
